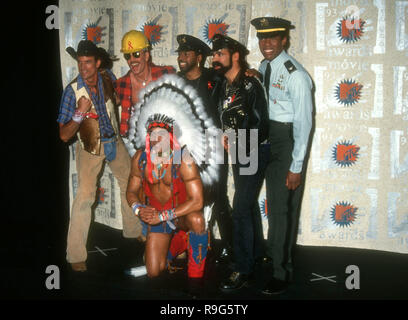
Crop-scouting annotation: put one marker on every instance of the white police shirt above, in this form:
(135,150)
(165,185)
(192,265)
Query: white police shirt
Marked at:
(290,100)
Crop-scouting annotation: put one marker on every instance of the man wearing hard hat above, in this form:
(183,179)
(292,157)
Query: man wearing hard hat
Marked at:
(136,51)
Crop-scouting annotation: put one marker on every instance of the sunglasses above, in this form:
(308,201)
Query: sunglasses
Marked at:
(136,55)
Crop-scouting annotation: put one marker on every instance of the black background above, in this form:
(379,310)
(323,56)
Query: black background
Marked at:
(34,172)
(35,162)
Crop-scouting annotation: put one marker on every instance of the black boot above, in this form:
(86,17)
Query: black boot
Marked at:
(235,281)
(275,286)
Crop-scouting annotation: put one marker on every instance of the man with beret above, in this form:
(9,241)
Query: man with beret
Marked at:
(88,109)
(242,106)
(192,54)
(289,90)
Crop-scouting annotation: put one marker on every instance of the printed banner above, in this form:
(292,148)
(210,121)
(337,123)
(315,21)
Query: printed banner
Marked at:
(356,192)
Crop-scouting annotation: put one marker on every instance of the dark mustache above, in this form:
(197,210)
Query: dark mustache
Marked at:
(216,63)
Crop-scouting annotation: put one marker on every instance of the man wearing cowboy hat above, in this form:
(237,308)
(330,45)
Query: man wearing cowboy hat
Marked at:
(289,90)
(88,110)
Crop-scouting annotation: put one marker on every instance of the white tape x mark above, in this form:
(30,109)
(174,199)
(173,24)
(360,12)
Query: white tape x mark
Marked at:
(102,251)
(319,277)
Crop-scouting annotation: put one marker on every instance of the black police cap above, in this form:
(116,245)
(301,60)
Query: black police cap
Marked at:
(190,43)
(269,26)
(220,41)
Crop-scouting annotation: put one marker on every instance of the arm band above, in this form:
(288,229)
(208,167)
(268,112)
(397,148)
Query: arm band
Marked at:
(136,205)
(167,215)
(78,116)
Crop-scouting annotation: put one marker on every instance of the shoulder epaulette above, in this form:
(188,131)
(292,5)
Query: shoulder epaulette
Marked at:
(290,66)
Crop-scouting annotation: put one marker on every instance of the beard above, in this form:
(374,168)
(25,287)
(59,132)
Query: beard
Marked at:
(222,69)
(187,68)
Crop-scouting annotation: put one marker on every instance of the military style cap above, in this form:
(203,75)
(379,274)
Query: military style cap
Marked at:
(190,43)
(267,27)
(220,41)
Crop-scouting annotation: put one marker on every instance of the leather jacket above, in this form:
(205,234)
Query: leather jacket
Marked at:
(242,105)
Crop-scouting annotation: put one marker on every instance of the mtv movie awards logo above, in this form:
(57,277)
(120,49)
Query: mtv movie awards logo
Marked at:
(213,27)
(345,154)
(348,92)
(350,29)
(153,30)
(93,32)
(101,195)
(264,208)
(343,214)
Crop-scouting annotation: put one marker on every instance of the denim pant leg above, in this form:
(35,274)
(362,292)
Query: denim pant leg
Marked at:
(221,209)
(246,225)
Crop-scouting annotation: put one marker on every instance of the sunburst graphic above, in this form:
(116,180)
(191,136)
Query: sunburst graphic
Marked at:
(345,153)
(264,208)
(343,214)
(101,195)
(93,32)
(350,30)
(213,27)
(153,30)
(348,92)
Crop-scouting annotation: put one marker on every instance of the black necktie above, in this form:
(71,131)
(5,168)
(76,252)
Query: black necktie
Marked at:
(267,78)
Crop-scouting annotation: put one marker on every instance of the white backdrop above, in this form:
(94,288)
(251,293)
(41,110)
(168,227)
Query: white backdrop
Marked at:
(356,192)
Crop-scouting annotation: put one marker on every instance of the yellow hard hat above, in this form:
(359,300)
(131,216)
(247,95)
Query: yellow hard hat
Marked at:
(134,41)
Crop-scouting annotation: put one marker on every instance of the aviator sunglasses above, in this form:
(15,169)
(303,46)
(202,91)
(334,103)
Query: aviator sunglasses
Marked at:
(136,55)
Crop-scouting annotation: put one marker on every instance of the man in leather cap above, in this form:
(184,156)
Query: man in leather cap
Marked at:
(242,105)
(192,54)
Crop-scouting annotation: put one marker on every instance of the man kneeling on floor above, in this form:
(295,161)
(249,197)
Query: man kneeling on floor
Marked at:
(165,186)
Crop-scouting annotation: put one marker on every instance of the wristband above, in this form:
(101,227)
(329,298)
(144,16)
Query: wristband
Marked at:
(135,206)
(78,116)
(167,215)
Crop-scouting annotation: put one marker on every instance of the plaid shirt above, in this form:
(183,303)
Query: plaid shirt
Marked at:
(68,105)
(123,88)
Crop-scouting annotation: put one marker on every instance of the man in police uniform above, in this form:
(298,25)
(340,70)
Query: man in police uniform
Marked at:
(289,90)
(241,105)
(192,54)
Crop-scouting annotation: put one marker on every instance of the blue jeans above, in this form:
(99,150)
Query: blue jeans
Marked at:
(246,216)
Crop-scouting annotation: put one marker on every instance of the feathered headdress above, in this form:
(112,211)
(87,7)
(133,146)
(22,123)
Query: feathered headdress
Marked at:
(171,102)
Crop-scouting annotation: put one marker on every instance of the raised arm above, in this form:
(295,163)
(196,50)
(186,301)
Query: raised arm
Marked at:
(69,129)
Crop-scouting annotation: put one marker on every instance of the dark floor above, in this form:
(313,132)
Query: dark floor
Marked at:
(320,274)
